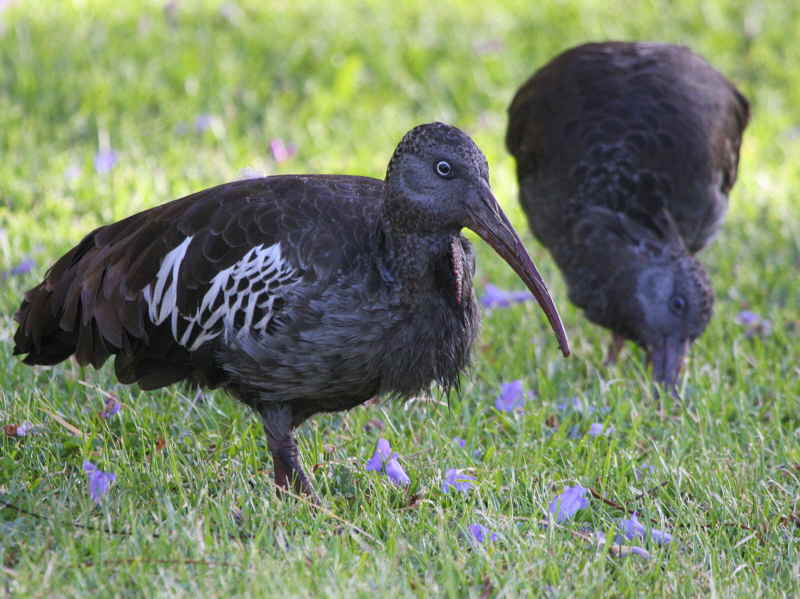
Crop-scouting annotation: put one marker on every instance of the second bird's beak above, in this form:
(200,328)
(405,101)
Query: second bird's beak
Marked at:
(666,357)
(491,224)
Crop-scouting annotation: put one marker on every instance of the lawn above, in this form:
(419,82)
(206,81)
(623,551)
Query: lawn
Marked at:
(107,108)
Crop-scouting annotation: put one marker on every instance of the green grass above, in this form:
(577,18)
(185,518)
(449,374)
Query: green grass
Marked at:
(343,84)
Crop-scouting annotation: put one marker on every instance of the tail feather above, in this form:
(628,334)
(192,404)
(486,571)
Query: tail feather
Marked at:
(77,309)
(91,303)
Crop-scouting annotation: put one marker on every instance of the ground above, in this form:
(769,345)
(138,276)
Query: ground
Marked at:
(107,108)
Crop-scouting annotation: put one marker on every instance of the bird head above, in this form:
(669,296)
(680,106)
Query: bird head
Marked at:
(663,304)
(637,278)
(438,182)
(674,305)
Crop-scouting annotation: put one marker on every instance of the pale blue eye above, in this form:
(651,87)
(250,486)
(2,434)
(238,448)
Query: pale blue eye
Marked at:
(443,168)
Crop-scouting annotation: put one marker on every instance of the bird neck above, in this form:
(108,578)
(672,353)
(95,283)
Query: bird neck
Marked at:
(412,256)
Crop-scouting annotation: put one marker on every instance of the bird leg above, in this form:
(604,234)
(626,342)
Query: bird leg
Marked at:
(616,345)
(285,455)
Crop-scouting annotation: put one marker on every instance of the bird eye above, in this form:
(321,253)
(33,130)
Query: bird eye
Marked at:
(443,169)
(677,304)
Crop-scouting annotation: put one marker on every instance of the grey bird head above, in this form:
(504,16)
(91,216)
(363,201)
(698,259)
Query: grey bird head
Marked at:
(659,297)
(438,182)
(673,307)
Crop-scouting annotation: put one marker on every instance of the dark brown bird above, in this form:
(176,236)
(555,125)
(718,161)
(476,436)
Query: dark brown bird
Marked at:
(625,156)
(297,294)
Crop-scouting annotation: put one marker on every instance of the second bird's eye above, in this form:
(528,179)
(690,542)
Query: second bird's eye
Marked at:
(443,168)
(677,304)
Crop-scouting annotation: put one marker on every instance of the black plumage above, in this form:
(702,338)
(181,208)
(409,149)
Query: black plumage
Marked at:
(297,294)
(625,154)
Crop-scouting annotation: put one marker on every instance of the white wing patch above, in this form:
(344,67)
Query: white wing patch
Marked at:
(162,294)
(240,300)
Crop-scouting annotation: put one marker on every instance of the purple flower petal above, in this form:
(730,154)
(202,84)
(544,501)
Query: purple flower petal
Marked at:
(574,432)
(643,471)
(576,404)
(458,480)
(23,268)
(382,453)
(632,528)
(748,318)
(511,397)
(23,429)
(99,481)
(660,537)
(111,408)
(479,533)
(620,550)
(459,441)
(385,460)
(595,429)
(20,430)
(105,160)
(570,403)
(203,122)
(494,297)
(566,505)
(280,151)
(598,428)
(395,472)
(755,323)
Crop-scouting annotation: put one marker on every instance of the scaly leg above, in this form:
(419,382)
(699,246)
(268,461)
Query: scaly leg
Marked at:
(277,419)
(617,342)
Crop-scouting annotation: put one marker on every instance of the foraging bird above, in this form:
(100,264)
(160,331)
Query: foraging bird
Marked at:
(297,294)
(625,155)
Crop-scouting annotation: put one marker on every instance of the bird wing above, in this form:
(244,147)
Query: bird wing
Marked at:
(157,287)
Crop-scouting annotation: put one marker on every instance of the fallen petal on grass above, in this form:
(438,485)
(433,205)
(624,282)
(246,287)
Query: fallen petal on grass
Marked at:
(567,504)
(203,122)
(382,453)
(105,160)
(99,481)
(626,550)
(598,428)
(281,152)
(479,534)
(396,473)
(385,460)
(511,397)
(455,478)
(20,430)
(494,297)
(755,324)
(112,408)
(595,429)
(644,470)
(631,528)
(24,267)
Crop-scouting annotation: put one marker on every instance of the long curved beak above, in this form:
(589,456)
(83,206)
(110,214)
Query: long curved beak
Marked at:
(491,224)
(667,358)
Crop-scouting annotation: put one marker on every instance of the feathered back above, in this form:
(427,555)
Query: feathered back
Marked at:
(634,127)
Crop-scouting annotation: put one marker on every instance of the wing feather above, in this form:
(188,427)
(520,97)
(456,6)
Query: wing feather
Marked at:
(157,287)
